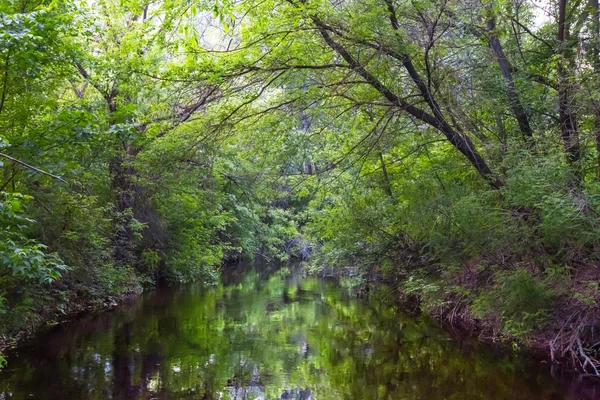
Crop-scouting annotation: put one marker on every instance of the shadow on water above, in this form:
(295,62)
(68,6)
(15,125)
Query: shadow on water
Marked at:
(266,333)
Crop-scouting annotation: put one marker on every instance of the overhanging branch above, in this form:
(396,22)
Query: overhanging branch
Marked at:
(31,167)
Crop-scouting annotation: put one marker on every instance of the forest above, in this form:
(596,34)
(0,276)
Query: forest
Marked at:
(448,150)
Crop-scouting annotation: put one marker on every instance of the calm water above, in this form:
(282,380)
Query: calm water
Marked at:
(267,335)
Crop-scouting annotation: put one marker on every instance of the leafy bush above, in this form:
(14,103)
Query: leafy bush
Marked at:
(21,257)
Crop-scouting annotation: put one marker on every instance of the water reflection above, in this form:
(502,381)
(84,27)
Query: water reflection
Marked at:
(263,336)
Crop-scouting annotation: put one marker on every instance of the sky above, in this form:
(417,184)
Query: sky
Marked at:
(542,13)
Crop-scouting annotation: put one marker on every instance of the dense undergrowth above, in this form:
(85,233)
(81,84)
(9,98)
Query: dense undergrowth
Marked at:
(518,265)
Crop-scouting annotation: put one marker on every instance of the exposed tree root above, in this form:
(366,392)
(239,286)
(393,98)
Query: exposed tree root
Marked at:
(569,342)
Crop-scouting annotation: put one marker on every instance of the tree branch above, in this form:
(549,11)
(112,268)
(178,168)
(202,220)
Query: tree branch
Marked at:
(31,167)
(460,141)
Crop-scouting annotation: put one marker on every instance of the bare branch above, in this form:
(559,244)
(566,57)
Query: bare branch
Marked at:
(31,167)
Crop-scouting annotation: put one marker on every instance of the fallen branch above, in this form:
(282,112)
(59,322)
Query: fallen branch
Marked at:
(587,359)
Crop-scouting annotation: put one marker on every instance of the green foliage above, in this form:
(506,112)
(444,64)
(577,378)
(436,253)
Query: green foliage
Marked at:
(521,301)
(278,229)
(116,281)
(20,257)
(588,295)
(194,225)
(429,293)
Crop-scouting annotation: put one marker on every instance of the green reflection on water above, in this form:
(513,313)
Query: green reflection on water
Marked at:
(262,336)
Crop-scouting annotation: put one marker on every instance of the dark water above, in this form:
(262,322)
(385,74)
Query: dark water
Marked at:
(265,336)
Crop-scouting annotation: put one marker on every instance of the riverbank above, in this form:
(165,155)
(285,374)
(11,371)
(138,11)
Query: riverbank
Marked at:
(563,325)
(78,308)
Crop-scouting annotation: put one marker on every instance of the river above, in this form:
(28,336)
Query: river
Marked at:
(267,333)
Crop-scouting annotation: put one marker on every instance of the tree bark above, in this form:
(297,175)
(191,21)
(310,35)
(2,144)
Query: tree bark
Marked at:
(569,130)
(387,185)
(5,81)
(123,192)
(596,65)
(511,90)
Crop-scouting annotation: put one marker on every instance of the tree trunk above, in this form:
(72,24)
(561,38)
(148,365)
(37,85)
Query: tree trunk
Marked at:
(511,90)
(123,191)
(5,81)
(130,204)
(596,64)
(569,130)
(387,185)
